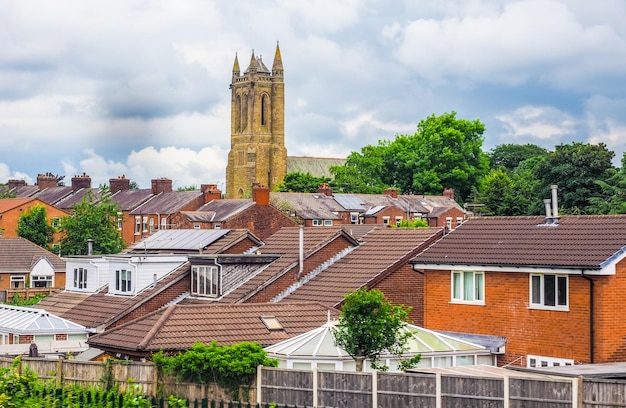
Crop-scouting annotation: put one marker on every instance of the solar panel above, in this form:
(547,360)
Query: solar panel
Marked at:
(349,202)
(181,239)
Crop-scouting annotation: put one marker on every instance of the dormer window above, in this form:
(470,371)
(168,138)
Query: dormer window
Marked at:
(205,280)
(123,281)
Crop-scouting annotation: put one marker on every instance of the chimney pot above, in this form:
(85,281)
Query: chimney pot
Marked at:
(260,194)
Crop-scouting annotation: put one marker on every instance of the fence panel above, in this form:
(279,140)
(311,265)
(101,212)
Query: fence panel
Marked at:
(287,386)
(599,393)
(540,393)
(83,373)
(471,392)
(344,389)
(406,390)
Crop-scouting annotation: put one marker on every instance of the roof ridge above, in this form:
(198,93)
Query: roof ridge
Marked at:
(156,327)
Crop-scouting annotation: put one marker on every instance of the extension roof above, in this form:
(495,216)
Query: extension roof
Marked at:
(20,255)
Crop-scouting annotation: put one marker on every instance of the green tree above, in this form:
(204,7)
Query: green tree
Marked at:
(370,325)
(444,152)
(5,192)
(613,193)
(33,225)
(191,187)
(94,218)
(577,169)
(511,155)
(298,182)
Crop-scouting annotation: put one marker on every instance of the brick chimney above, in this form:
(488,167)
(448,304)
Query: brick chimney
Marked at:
(391,192)
(81,181)
(210,192)
(260,194)
(16,183)
(325,189)
(46,180)
(161,185)
(119,184)
(448,193)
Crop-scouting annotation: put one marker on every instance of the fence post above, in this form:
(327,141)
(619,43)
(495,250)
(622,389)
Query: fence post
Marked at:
(374,389)
(507,391)
(315,379)
(259,375)
(438,390)
(59,373)
(577,389)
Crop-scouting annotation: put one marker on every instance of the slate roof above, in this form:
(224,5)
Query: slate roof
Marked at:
(130,199)
(285,243)
(182,241)
(316,166)
(51,195)
(574,242)
(225,209)
(77,197)
(167,202)
(178,327)
(20,255)
(382,251)
(310,205)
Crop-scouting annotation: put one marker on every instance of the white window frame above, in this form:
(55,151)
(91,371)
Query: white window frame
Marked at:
(196,226)
(48,279)
(80,278)
(449,223)
(164,223)
(120,220)
(55,222)
(467,287)
(20,280)
(538,300)
(317,222)
(205,280)
(386,219)
(123,281)
(217,226)
(328,223)
(137,225)
(398,220)
(144,224)
(151,222)
(533,361)
(354,218)
(459,221)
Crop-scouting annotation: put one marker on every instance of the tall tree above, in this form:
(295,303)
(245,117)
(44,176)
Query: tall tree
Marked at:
(369,325)
(511,155)
(613,193)
(576,168)
(94,218)
(33,225)
(298,182)
(362,172)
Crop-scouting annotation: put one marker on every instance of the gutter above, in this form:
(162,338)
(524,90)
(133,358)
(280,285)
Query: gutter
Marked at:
(591,314)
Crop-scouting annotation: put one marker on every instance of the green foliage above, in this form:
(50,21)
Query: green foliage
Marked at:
(444,152)
(191,187)
(577,168)
(411,224)
(509,156)
(298,182)
(33,225)
(17,301)
(6,193)
(94,218)
(370,325)
(231,367)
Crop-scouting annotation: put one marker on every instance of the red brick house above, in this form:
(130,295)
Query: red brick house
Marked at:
(11,209)
(553,287)
(26,265)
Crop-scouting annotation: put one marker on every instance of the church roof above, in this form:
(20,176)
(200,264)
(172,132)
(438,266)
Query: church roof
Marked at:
(315,166)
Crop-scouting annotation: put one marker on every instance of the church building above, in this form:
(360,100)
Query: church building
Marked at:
(257,142)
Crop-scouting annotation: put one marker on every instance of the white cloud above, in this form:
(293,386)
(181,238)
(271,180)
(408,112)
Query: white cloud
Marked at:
(537,122)
(6,174)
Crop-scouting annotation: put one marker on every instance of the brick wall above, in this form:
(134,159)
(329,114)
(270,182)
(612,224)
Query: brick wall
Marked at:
(262,220)
(404,286)
(609,322)
(506,313)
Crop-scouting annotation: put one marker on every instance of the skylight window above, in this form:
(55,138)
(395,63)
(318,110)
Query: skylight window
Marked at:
(271,323)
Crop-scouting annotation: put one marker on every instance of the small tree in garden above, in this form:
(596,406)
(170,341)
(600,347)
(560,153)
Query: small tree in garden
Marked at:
(370,325)
(33,225)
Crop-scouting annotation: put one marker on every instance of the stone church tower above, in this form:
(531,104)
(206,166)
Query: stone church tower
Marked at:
(257,141)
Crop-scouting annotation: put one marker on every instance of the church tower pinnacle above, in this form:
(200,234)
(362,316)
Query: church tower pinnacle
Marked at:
(257,141)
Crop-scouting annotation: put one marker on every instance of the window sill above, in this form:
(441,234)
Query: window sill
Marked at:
(549,308)
(461,302)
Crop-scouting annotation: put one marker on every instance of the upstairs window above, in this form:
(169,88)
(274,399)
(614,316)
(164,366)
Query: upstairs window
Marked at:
(328,223)
(549,291)
(123,280)
(354,218)
(120,220)
(137,225)
(317,222)
(145,224)
(468,287)
(449,223)
(55,222)
(80,278)
(205,280)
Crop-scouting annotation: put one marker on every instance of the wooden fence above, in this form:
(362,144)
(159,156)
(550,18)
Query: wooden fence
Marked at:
(348,389)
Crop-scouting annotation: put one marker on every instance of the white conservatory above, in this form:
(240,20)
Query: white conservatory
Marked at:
(317,349)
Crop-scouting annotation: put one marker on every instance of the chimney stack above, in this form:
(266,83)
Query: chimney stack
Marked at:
(325,189)
(210,192)
(161,185)
(119,184)
(16,183)
(448,193)
(46,180)
(81,181)
(260,194)
(546,201)
(391,192)
(555,203)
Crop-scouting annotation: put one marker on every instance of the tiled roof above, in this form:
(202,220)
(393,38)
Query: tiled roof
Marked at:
(224,209)
(7,204)
(183,241)
(382,251)
(575,242)
(52,195)
(25,191)
(19,255)
(130,199)
(315,166)
(167,203)
(285,242)
(178,327)
(77,197)
(309,206)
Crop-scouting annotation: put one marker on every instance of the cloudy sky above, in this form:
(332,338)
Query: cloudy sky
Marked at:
(141,87)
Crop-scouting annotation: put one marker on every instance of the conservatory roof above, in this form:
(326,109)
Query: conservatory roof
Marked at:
(320,343)
(25,320)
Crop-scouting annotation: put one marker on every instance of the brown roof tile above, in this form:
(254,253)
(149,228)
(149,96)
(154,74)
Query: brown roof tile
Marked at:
(20,255)
(178,327)
(167,202)
(575,242)
(383,250)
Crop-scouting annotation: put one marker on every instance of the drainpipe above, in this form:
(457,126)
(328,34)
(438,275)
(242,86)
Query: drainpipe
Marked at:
(591,328)
(555,204)
(301,253)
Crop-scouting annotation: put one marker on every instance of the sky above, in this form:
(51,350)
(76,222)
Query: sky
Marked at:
(140,88)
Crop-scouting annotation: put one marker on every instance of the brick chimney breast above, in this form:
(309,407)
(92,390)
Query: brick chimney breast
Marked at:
(325,189)
(46,180)
(260,194)
(81,181)
(119,184)
(210,192)
(161,185)
(448,193)
(391,192)
(16,183)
